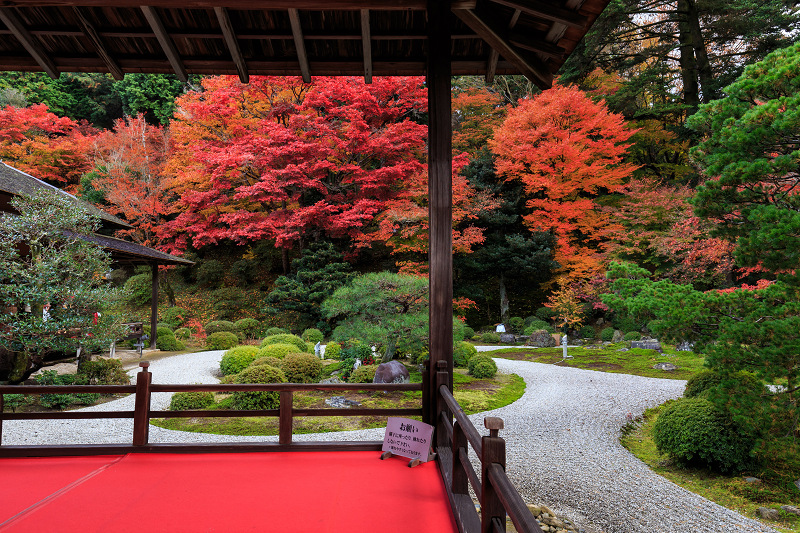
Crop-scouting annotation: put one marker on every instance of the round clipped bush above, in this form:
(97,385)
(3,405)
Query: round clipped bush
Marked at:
(221,340)
(490,337)
(632,336)
(587,332)
(168,343)
(220,325)
(275,331)
(258,399)
(278,351)
(468,332)
(462,353)
(694,432)
(607,334)
(363,374)
(474,361)
(183,333)
(516,324)
(333,350)
(301,367)
(312,335)
(285,338)
(249,327)
(701,382)
(271,361)
(237,359)
(187,401)
(484,370)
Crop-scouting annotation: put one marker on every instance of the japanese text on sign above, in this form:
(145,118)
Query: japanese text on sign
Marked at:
(408,438)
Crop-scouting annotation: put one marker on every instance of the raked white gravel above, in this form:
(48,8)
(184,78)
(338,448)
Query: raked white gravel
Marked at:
(562,445)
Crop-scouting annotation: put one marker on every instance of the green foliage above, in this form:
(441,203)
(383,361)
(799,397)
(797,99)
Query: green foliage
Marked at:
(221,340)
(516,324)
(701,382)
(138,289)
(462,353)
(189,401)
(481,359)
(249,327)
(694,431)
(587,332)
(632,336)
(468,332)
(279,351)
(62,401)
(285,338)
(258,400)
(535,325)
(484,370)
(13,401)
(183,333)
(102,371)
(363,374)
(333,350)
(607,334)
(490,337)
(210,273)
(312,335)
(221,325)
(545,314)
(301,367)
(269,361)
(174,316)
(275,331)
(167,342)
(151,94)
(237,359)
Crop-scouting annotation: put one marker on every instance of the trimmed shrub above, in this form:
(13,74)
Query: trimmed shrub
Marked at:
(249,327)
(285,338)
(275,331)
(278,351)
(166,341)
(701,382)
(538,325)
(271,361)
(301,368)
(220,325)
(516,324)
(484,370)
(258,399)
(237,359)
(104,372)
(632,336)
(62,401)
(694,432)
(333,350)
(221,340)
(462,353)
(183,333)
(607,334)
(189,401)
(468,332)
(545,313)
(490,337)
(363,374)
(174,316)
(587,332)
(473,362)
(312,335)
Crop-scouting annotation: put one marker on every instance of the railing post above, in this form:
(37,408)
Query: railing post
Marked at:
(460,484)
(442,378)
(2,408)
(493,451)
(285,421)
(141,409)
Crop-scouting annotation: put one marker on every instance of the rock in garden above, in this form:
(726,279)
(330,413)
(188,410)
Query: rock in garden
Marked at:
(667,367)
(391,372)
(340,402)
(647,345)
(685,346)
(507,338)
(797,484)
(332,380)
(541,339)
(791,509)
(751,479)
(618,336)
(768,514)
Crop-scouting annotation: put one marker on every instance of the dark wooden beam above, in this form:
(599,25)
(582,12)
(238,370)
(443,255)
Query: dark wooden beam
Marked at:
(535,45)
(93,35)
(366,44)
(256,5)
(530,67)
(22,34)
(154,305)
(300,45)
(494,56)
(232,43)
(166,42)
(440,202)
(547,11)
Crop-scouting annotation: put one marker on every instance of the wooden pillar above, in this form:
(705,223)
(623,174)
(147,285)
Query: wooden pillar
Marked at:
(440,194)
(154,306)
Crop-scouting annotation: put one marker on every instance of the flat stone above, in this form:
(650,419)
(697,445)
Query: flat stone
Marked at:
(791,509)
(752,480)
(768,514)
(647,345)
(340,402)
(667,367)
(391,372)
(507,338)
(618,336)
(534,509)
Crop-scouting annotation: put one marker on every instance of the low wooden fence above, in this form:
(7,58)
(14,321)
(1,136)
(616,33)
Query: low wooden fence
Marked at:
(454,433)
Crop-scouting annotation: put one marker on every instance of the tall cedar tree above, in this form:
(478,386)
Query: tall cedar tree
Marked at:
(566,150)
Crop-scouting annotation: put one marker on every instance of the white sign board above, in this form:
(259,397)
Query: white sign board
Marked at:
(408,438)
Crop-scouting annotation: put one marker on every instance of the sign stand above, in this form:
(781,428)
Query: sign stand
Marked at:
(413,462)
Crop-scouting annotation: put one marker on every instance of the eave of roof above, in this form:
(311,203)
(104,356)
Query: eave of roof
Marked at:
(133,253)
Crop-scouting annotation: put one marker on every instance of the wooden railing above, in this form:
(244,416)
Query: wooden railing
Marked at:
(496,494)
(142,414)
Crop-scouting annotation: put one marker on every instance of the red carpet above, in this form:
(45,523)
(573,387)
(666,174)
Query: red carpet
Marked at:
(226,492)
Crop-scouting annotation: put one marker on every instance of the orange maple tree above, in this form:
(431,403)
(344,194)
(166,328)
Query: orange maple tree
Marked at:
(566,150)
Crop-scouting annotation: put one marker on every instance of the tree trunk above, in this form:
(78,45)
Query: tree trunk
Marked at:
(388,354)
(166,286)
(285,260)
(503,300)
(707,84)
(691,90)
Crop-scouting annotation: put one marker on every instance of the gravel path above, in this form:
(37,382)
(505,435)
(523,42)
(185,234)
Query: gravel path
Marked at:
(562,437)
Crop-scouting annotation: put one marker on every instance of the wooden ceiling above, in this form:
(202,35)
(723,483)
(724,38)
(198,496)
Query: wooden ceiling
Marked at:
(288,37)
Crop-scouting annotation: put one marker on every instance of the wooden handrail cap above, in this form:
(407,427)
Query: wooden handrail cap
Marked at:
(493,422)
(144,364)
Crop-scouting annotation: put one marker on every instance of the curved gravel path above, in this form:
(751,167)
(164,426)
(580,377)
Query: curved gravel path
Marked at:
(562,445)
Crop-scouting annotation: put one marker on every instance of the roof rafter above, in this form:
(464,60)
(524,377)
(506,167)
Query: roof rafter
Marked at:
(166,42)
(366,43)
(535,45)
(22,34)
(300,45)
(232,43)
(93,35)
(494,56)
(547,11)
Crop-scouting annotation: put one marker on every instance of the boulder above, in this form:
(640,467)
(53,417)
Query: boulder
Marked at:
(684,346)
(507,338)
(667,367)
(768,514)
(648,344)
(797,484)
(791,509)
(618,336)
(391,372)
(541,339)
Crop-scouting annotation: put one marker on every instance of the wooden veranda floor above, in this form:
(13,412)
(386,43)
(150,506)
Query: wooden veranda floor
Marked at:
(222,492)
